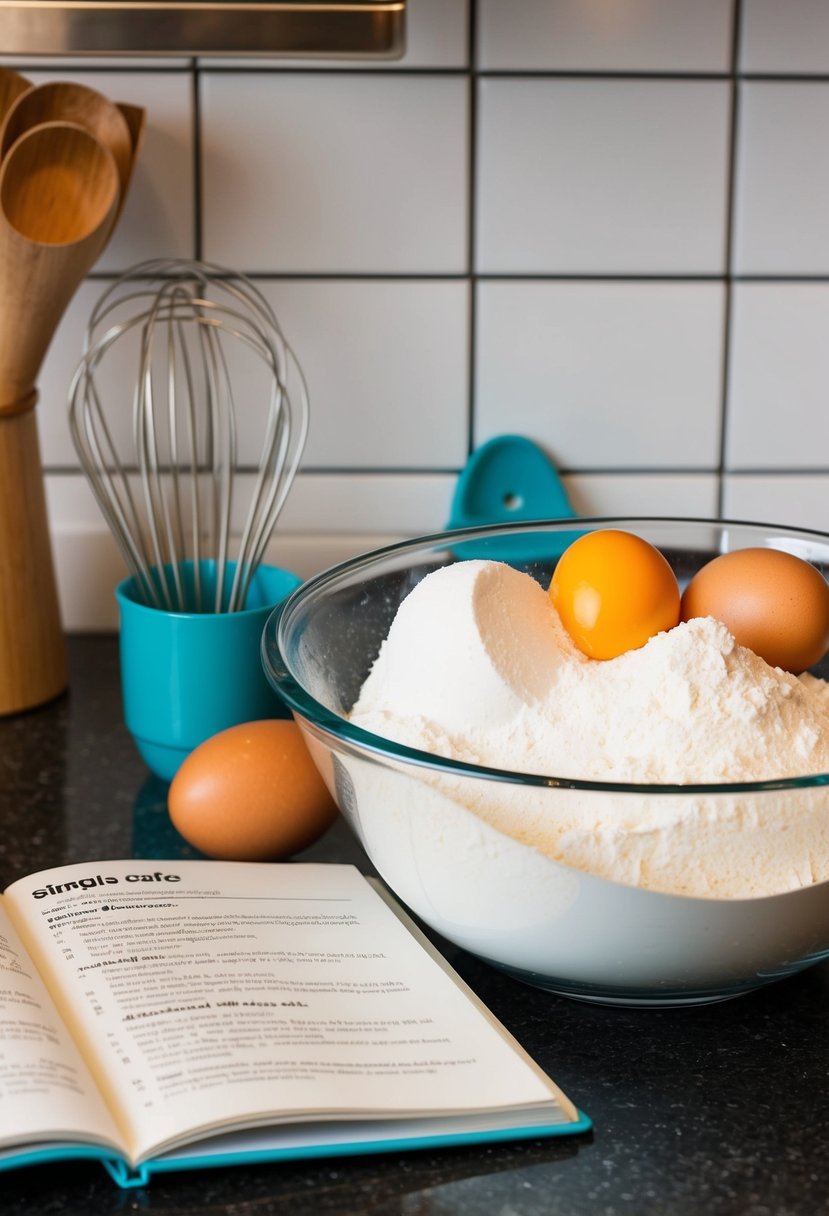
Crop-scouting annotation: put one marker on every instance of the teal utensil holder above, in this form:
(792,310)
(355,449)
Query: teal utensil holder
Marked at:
(188,675)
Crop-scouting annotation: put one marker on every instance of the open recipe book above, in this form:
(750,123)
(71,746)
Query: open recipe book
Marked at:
(174,1015)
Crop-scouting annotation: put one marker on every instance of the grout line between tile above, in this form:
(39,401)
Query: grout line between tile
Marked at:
(240,67)
(63,470)
(733,137)
(472,219)
(505,277)
(198,184)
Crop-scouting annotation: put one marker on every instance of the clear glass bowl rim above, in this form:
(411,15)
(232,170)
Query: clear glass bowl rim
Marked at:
(357,740)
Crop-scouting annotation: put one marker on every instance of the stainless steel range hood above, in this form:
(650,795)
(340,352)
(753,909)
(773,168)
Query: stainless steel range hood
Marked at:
(305,28)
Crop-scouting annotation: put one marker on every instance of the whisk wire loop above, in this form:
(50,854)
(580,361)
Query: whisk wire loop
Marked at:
(190,326)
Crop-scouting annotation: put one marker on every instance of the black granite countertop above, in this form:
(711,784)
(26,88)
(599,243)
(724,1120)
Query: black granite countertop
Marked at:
(721,1110)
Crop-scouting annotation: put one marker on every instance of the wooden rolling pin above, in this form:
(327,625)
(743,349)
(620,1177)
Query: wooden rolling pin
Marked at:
(33,663)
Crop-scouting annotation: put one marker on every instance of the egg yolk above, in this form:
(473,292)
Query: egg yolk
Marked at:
(613,590)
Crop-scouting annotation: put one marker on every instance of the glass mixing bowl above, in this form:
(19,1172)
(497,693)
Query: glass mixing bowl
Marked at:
(560,928)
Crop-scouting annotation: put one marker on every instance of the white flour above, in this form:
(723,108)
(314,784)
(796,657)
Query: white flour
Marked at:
(478,667)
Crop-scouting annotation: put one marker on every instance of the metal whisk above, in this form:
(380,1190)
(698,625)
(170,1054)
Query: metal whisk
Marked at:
(161,449)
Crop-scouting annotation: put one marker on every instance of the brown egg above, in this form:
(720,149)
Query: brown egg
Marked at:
(251,793)
(773,602)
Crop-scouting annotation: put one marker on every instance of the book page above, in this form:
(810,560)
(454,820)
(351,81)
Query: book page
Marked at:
(212,994)
(46,1091)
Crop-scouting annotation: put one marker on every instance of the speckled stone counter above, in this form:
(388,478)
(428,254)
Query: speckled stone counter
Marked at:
(721,1110)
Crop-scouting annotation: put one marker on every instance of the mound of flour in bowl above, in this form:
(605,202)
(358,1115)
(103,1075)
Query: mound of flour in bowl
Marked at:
(478,667)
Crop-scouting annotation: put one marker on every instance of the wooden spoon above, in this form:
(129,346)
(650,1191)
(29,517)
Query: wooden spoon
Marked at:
(57,184)
(59,194)
(136,120)
(67,101)
(12,85)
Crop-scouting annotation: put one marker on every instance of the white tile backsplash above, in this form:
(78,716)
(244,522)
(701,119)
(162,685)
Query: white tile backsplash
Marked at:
(597,36)
(62,358)
(605,375)
(796,502)
(337,504)
(792,37)
(387,369)
(688,495)
(546,218)
(385,362)
(782,178)
(590,177)
(346,503)
(314,173)
(779,372)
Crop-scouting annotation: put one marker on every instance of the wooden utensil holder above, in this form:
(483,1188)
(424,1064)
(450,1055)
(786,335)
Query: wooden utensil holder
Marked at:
(33,660)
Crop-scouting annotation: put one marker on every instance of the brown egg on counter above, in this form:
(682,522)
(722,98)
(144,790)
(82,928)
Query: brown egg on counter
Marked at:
(251,793)
(774,603)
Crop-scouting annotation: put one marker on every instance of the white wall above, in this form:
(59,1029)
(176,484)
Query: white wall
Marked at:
(600,225)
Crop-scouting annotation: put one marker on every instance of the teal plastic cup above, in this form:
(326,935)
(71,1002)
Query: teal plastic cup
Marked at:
(185,676)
